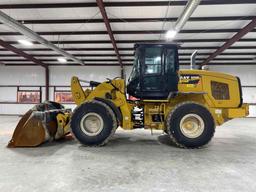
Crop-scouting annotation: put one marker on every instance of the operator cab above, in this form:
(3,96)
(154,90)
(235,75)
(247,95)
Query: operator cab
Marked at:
(155,71)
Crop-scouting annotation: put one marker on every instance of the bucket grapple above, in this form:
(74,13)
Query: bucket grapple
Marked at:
(44,122)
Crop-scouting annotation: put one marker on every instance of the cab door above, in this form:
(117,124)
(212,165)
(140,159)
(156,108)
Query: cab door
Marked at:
(152,78)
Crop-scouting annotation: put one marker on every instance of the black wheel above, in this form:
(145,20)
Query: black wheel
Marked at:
(93,123)
(190,125)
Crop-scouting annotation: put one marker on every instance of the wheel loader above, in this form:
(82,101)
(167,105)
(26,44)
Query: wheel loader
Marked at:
(185,104)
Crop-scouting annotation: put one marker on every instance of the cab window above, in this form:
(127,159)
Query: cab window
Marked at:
(136,67)
(170,61)
(153,60)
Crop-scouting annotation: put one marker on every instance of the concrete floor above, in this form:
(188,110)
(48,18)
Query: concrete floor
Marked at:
(132,161)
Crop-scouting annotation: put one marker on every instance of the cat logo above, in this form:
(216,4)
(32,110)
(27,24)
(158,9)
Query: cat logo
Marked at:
(189,79)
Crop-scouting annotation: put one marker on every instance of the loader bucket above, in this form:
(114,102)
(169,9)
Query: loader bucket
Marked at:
(29,132)
(38,125)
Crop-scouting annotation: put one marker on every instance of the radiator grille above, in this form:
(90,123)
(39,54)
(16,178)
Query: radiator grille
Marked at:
(220,91)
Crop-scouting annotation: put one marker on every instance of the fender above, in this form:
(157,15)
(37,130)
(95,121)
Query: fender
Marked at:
(113,107)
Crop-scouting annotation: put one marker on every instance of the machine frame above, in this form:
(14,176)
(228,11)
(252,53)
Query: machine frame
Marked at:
(198,91)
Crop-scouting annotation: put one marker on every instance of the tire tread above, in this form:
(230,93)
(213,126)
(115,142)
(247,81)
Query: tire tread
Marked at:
(110,111)
(168,124)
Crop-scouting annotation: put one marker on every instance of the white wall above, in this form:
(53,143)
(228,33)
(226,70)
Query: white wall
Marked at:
(21,75)
(17,76)
(61,76)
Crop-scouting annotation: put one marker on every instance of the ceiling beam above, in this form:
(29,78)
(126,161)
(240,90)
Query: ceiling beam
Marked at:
(146,19)
(214,47)
(124,55)
(137,41)
(125,32)
(77,55)
(21,53)
(30,58)
(73,49)
(130,64)
(12,23)
(235,38)
(119,4)
(110,33)
(130,48)
(75,64)
(124,60)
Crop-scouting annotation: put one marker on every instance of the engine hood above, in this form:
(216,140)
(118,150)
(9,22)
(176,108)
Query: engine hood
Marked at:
(207,73)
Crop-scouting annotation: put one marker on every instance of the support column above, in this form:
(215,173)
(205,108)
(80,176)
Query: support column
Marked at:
(47,83)
(110,33)
(122,72)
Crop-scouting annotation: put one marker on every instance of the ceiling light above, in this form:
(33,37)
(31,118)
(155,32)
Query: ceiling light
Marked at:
(171,34)
(25,42)
(62,60)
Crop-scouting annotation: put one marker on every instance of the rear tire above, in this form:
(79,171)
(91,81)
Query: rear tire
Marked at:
(93,123)
(190,125)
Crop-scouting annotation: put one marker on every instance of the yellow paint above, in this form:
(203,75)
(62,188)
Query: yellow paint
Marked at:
(63,122)
(79,96)
(238,112)
(221,110)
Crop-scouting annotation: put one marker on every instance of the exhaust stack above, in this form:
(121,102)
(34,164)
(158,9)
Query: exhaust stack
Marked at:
(193,60)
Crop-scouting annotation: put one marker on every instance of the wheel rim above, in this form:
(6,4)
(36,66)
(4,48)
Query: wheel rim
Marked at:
(192,126)
(91,124)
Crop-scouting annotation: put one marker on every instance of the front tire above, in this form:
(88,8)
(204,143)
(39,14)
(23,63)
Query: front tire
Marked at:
(190,125)
(93,123)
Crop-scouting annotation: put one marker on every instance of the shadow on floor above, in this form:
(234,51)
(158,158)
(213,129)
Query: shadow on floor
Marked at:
(165,140)
(136,143)
(131,143)
(46,149)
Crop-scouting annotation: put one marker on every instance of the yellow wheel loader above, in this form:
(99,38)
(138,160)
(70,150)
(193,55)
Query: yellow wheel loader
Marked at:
(186,104)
